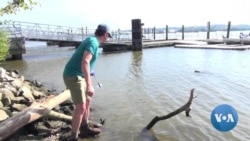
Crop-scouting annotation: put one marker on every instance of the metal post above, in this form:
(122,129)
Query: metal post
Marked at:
(228,29)
(118,34)
(166,32)
(208,30)
(154,32)
(82,32)
(86,31)
(182,32)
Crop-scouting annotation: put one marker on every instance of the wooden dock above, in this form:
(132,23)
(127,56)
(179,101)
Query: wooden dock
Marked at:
(188,44)
(218,46)
(121,46)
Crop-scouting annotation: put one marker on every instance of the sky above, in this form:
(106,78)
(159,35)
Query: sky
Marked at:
(119,13)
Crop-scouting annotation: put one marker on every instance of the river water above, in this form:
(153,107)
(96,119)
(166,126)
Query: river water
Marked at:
(137,86)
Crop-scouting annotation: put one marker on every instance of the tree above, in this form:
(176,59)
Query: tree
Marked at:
(16,5)
(4,45)
(11,8)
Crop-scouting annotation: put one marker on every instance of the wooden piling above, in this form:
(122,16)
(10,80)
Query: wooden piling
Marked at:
(182,30)
(208,30)
(228,28)
(86,31)
(118,34)
(136,35)
(82,33)
(154,32)
(166,32)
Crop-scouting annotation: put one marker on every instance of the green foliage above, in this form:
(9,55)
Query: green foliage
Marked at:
(11,8)
(4,45)
(16,5)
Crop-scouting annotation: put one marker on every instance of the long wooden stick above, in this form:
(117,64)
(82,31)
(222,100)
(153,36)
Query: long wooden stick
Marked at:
(32,113)
(185,108)
(56,115)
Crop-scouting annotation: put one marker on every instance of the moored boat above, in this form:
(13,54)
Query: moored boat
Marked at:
(231,41)
(214,41)
(245,41)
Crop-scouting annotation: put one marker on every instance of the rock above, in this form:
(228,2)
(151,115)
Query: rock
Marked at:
(51,90)
(25,92)
(21,78)
(14,74)
(65,136)
(43,89)
(37,83)
(6,101)
(19,107)
(16,84)
(37,94)
(6,78)
(1,104)
(6,93)
(30,138)
(66,103)
(66,110)
(2,74)
(42,130)
(3,115)
(1,85)
(11,88)
(66,128)
(19,100)
(6,96)
(57,108)
(53,124)
(27,84)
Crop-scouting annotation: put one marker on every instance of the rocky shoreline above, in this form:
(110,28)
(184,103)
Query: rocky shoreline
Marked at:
(17,94)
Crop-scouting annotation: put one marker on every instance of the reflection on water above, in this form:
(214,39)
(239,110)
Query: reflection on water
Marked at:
(138,86)
(136,64)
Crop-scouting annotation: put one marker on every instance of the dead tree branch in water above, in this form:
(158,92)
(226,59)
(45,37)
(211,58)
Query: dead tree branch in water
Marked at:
(185,108)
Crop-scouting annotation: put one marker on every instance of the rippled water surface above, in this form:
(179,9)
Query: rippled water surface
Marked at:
(138,86)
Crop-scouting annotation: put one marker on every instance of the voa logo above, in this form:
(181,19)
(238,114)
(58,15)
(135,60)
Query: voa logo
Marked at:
(224,117)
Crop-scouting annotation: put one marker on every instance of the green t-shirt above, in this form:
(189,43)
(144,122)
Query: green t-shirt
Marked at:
(73,67)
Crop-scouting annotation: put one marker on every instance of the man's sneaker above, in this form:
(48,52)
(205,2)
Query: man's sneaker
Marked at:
(86,131)
(67,137)
(71,139)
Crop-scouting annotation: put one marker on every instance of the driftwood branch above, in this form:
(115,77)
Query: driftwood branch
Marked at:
(56,115)
(185,108)
(32,113)
(61,116)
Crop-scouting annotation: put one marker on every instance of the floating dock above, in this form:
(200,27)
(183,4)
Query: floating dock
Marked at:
(121,46)
(191,44)
(219,46)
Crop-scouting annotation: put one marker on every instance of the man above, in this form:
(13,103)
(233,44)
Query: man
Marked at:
(77,79)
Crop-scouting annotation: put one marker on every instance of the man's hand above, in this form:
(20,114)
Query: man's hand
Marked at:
(92,73)
(90,90)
